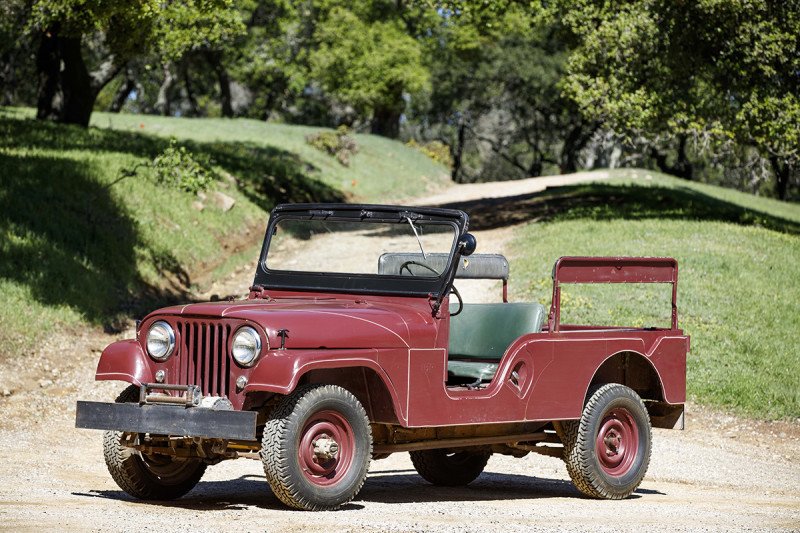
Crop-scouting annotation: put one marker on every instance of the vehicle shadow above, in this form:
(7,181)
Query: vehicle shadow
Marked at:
(230,495)
(387,486)
(408,487)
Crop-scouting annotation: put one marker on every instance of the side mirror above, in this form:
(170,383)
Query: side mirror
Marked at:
(467,244)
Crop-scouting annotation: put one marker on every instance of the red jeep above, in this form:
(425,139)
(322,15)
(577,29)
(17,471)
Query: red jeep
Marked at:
(354,344)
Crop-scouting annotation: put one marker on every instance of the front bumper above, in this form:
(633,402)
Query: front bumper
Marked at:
(167,420)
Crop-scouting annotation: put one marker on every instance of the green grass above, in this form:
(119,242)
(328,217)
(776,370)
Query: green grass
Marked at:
(382,171)
(739,277)
(78,245)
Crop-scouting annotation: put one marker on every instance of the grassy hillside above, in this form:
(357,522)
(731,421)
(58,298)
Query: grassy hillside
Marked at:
(382,171)
(86,233)
(739,277)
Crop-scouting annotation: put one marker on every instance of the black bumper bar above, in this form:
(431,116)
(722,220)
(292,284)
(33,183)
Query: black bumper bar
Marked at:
(167,420)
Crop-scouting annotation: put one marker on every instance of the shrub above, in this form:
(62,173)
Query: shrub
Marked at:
(339,143)
(436,150)
(177,167)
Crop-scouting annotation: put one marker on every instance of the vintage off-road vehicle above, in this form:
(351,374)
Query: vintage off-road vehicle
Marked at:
(354,344)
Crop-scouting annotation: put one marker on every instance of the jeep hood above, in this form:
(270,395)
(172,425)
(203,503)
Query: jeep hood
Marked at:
(326,323)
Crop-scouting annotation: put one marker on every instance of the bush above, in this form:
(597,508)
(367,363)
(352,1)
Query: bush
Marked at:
(177,167)
(340,143)
(436,150)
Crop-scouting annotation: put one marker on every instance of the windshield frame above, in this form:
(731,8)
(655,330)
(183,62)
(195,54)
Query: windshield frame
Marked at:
(360,283)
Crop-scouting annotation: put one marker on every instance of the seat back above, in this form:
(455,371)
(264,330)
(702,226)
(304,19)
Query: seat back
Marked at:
(476,266)
(485,331)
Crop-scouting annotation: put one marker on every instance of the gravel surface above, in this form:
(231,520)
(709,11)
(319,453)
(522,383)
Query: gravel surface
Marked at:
(722,473)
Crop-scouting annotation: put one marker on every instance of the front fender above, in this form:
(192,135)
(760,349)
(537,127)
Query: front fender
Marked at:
(124,361)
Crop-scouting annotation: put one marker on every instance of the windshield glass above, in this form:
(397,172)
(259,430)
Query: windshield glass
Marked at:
(403,248)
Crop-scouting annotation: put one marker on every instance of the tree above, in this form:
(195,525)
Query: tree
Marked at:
(371,66)
(84,45)
(496,100)
(719,69)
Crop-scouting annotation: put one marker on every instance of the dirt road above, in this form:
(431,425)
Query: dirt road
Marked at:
(722,474)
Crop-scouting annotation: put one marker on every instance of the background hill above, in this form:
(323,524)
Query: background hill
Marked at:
(89,235)
(739,276)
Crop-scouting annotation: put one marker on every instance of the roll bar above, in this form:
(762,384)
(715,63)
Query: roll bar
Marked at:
(612,270)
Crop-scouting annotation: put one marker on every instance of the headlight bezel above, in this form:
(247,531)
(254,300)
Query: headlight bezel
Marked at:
(171,341)
(257,343)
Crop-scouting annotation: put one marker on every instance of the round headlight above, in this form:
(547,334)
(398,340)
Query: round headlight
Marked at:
(160,340)
(246,346)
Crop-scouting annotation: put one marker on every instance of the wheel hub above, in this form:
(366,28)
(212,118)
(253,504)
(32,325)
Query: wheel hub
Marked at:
(325,448)
(617,442)
(612,441)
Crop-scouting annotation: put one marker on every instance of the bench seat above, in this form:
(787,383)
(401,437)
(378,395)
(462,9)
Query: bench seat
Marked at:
(481,333)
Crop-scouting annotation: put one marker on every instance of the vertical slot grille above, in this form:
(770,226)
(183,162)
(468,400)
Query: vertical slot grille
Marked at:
(203,358)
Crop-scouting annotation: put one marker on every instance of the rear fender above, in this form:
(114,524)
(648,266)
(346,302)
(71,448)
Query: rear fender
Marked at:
(124,361)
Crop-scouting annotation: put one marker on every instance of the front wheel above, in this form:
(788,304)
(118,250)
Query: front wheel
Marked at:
(607,451)
(316,448)
(148,477)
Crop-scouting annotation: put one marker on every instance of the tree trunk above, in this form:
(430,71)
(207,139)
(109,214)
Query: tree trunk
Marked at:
(123,92)
(164,99)
(48,65)
(682,168)
(67,91)
(76,84)
(386,122)
(457,150)
(215,60)
(576,140)
(194,107)
(536,166)
(783,172)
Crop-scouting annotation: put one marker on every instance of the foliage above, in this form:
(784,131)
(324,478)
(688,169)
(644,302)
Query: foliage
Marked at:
(706,91)
(178,168)
(340,143)
(129,28)
(722,69)
(496,101)
(369,66)
(739,260)
(436,150)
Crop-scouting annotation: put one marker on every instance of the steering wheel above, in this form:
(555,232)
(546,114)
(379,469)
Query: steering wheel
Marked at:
(416,263)
(453,289)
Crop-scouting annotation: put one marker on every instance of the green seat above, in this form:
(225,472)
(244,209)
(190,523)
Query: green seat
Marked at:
(481,333)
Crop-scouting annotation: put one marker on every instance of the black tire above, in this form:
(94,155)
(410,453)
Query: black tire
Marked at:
(445,469)
(156,477)
(297,474)
(607,451)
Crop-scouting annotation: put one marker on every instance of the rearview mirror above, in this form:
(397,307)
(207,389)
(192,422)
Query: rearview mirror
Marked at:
(467,244)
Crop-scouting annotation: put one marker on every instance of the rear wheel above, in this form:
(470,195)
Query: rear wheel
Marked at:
(448,469)
(148,477)
(607,451)
(316,448)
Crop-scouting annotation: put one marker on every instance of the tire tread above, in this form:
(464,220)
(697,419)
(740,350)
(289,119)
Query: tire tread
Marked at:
(578,456)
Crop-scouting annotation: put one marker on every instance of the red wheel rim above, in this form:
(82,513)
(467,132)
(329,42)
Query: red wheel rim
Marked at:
(326,448)
(617,442)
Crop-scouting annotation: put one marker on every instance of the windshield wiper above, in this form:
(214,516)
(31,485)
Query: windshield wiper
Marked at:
(408,216)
